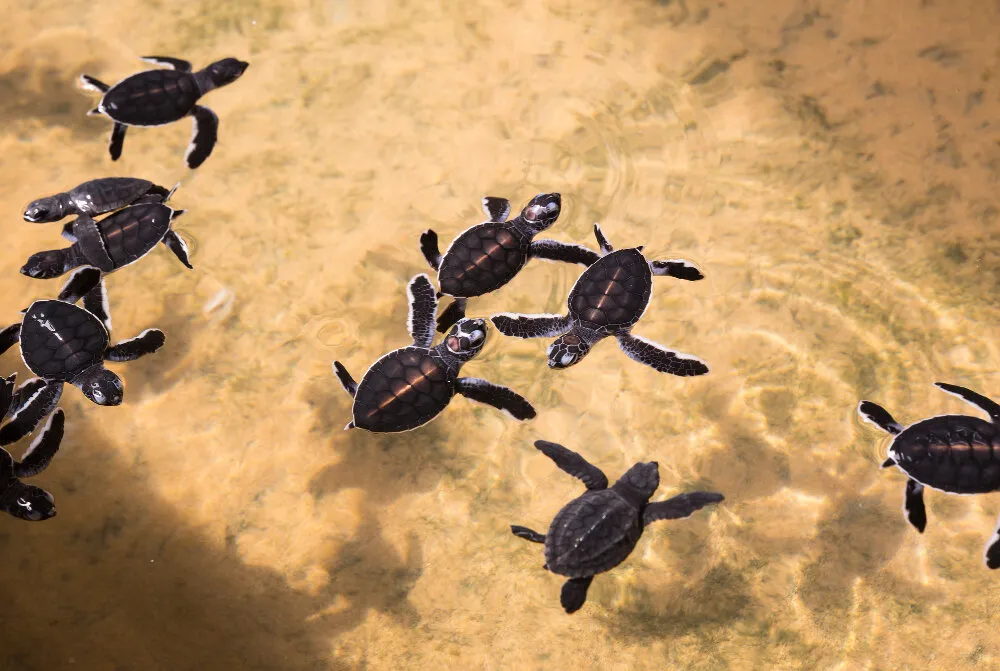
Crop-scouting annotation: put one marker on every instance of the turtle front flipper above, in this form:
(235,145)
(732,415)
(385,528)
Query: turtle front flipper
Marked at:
(204,133)
(552,250)
(429,248)
(660,358)
(879,416)
(7,385)
(95,302)
(530,326)
(80,283)
(497,209)
(350,386)
(31,412)
(25,393)
(498,396)
(679,268)
(172,63)
(422,300)
(913,505)
(602,241)
(987,405)
(452,314)
(574,464)
(37,458)
(176,244)
(992,553)
(527,534)
(94,84)
(145,343)
(683,505)
(117,140)
(9,336)
(574,594)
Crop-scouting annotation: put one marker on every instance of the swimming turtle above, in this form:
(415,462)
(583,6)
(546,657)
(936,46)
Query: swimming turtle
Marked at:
(959,454)
(410,386)
(28,502)
(488,255)
(596,531)
(104,246)
(158,97)
(607,300)
(62,342)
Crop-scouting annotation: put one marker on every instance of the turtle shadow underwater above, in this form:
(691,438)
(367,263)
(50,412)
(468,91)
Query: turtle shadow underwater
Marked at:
(46,94)
(120,579)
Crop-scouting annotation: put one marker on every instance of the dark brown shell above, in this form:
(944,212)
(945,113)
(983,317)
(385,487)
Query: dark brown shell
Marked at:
(482,259)
(593,533)
(613,293)
(402,390)
(59,340)
(953,453)
(131,233)
(151,98)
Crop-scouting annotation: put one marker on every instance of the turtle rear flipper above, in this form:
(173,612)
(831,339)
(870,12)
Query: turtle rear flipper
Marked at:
(172,63)
(660,358)
(913,505)
(89,83)
(679,506)
(530,326)
(145,343)
(350,386)
(80,283)
(879,416)
(429,248)
(497,209)
(987,405)
(552,250)
(204,133)
(602,241)
(574,464)
(176,244)
(991,555)
(423,306)
(451,314)
(37,458)
(117,140)
(679,268)
(527,534)
(31,411)
(9,336)
(574,594)
(499,397)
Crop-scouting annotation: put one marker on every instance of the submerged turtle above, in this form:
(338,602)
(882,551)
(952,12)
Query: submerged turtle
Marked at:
(951,453)
(61,342)
(158,97)
(105,246)
(607,300)
(488,255)
(410,386)
(596,531)
(94,197)
(28,502)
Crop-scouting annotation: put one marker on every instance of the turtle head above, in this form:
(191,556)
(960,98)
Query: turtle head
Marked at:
(28,502)
(101,386)
(466,338)
(542,211)
(52,208)
(226,71)
(644,478)
(45,265)
(566,350)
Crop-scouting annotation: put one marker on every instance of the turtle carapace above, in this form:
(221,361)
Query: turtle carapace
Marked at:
(410,386)
(488,255)
(959,454)
(596,531)
(93,198)
(607,300)
(158,97)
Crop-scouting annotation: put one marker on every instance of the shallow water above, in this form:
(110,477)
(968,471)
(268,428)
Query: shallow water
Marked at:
(832,169)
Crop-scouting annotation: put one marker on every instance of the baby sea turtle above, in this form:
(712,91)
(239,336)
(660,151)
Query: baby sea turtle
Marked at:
(488,255)
(607,300)
(951,453)
(24,408)
(410,386)
(105,246)
(28,502)
(61,342)
(93,198)
(596,531)
(158,97)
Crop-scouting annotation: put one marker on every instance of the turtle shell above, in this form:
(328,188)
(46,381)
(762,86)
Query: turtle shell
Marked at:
(130,234)
(953,453)
(110,193)
(401,391)
(613,293)
(482,259)
(592,534)
(60,340)
(151,98)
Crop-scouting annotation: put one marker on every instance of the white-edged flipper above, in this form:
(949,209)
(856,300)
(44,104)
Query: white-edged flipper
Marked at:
(987,405)
(602,241)
(172,63)
(497,209)
(422,300)
(682,505)
(145,343)
(83,280)
(37,457)
(530,326)
(499,397)
(552,250)
(679,268)
(660,358)
(67,231)
(991,555)
(31,411)
(204,133)
(574,464)
(350,386)
(88,83)
(96,303)
(176,244)
(913,505)
(527,534)
(875,414)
